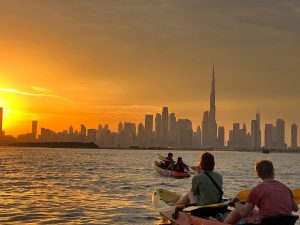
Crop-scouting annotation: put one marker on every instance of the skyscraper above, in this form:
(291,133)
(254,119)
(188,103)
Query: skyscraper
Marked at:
(148,130)
(209,124)
(1,121)
(294,133)
(172,130)
(280,127)
(221,136)
(269,136)
(256,133)
(158,129)
(165,126)
(34,126)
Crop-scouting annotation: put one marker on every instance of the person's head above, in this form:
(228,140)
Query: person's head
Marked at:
(207,162)
(170,155)
(179,159)
(264,169)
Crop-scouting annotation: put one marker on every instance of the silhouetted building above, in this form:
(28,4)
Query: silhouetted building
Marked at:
(148,130)
(165,126)
(294,133)
(280,126)
(256,133)
(270,135)
(238,137)
(209,124)
(92,135)
(34,126)
(82,130)
(140,140)
(221,136)
(158,129)
(185,133)
(172,130)
(197,138)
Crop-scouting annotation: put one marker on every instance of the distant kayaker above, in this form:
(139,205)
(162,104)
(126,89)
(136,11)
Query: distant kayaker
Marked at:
(169,162)
(271,197)
(206,186)
(180,166)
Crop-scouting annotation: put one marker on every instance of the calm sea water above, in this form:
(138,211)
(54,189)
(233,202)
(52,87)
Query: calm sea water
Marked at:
(82,186)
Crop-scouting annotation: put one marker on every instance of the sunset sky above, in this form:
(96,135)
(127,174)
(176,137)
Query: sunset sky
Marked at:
(103,61)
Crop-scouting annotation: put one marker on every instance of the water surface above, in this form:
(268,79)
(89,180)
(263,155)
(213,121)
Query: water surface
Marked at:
(92,186)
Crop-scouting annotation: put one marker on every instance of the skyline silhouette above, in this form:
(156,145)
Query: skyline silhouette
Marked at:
(166,130)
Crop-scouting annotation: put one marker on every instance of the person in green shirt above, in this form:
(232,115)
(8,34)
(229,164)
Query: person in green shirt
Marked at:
(206,186)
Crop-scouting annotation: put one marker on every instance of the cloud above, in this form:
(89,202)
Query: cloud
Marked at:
(20,92)
(36,88)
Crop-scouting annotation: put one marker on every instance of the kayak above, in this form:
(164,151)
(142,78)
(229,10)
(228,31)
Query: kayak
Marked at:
(171,173)
(162,201)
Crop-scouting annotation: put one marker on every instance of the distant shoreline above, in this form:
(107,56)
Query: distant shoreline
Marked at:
(82,145)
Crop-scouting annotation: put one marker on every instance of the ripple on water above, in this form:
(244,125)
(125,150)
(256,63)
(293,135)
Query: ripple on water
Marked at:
(87,186)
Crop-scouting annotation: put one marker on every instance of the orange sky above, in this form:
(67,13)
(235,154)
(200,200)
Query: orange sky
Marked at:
(70,62)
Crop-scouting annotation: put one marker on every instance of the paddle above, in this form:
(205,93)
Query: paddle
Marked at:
(160,156)
(242,196)
(296,193)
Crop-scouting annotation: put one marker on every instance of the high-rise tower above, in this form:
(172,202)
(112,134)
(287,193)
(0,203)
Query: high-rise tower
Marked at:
(209,124)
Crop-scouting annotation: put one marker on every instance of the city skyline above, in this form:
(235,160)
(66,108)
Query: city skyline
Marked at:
(110,62)
(166,130)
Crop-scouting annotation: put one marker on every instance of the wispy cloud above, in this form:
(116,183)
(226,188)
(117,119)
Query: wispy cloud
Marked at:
(21,92)
(41,89)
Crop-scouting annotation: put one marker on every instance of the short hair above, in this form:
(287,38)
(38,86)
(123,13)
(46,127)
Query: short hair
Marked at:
(179,159)
(170,154)
(264,169)
(207,162)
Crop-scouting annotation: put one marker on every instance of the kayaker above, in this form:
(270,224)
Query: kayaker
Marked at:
(180,166)
(271,197)
(169,162)
(206,186)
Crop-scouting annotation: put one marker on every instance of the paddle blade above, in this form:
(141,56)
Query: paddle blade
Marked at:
(160,157)
(296,193)
(194,168)
(243,195)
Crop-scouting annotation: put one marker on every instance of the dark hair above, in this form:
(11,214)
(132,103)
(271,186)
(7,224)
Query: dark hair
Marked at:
(264,169)
(207,162)
(179,159)
(170,154)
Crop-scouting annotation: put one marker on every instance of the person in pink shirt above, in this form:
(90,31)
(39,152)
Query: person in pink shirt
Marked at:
(271,198)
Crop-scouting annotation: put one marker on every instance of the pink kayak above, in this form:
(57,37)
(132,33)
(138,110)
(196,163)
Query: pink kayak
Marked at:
(170,173)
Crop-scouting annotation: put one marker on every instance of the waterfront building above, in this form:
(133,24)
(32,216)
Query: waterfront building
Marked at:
(280,126)
(92,135)
(141,137)
(221,137)
(209,124)
(165,127)
(185,133)
(197,138)
(172,130)
(294,134)
(158,129)
(256,133)
(34,126)
(148,130)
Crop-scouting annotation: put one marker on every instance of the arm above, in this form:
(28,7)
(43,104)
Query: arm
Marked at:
(244,210)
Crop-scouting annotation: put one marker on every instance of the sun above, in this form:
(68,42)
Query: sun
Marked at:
(12,109)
